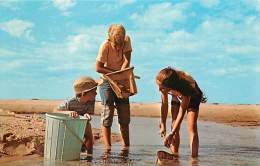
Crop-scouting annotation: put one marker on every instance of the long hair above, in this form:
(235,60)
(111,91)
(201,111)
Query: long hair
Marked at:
(115,27)
(170,78)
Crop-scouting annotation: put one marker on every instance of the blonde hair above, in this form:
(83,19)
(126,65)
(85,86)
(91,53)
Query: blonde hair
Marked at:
(115,27)
(84,84)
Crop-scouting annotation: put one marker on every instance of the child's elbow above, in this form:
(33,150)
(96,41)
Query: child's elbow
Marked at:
(98,69)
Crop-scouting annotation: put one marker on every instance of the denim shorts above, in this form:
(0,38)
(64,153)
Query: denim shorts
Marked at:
(109,99)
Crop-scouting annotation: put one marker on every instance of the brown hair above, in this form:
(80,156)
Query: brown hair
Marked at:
(165,75)
(170,78)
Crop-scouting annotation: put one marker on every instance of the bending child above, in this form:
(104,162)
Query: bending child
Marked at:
(83,104)
(180,84)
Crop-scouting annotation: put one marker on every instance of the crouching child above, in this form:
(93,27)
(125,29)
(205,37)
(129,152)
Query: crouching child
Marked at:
(83,103)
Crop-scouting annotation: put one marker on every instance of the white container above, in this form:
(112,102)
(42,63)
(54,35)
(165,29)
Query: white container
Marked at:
(63,136)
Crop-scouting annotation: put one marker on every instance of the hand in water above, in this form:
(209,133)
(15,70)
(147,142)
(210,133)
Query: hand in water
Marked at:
(74,114)
(169,140)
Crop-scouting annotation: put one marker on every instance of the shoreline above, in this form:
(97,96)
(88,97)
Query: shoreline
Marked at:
(244,115)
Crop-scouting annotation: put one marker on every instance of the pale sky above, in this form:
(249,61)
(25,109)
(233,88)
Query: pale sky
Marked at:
(45,45)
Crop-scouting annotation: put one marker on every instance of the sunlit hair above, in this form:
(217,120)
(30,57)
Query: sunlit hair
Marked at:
(170,78)
(165,75)
(113,28)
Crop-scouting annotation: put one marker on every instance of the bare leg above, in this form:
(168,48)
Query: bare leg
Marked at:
(126,142)
(176,144)
(192,117)
(123,111)
(125,135)
(89,139)
(106,131)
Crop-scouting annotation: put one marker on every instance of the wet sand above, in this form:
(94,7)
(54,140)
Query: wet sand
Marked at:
(22,127)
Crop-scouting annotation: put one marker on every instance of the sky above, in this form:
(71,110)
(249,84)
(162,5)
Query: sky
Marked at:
(46,45)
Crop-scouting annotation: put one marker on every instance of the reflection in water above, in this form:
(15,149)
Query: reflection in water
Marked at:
(219,145)
(193,161)
(177,162)
(168,162)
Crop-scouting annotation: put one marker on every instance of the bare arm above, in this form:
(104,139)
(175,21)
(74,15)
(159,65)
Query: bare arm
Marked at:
(127,59)
(184,105)
(63,110)
(164,107)
(164,113)
(100,68)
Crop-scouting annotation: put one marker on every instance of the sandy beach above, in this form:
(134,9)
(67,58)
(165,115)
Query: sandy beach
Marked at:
(22,126)
(231,114)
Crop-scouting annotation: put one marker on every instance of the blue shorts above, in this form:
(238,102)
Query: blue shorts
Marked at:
(109,99)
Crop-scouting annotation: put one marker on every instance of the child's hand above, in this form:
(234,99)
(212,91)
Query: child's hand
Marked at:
(162,130)
(86,115)
(74,114)
(168,140)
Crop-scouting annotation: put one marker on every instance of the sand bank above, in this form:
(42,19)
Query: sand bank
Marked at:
(236,115)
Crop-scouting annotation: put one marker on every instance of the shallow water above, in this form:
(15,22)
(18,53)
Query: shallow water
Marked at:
(219,145)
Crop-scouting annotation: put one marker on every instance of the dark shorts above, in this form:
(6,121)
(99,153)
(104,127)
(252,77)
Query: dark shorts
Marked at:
(109,99)
(193,105)
(175,101)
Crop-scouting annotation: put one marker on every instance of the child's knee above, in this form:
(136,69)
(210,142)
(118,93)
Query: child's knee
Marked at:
(193,131)
(192,128)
